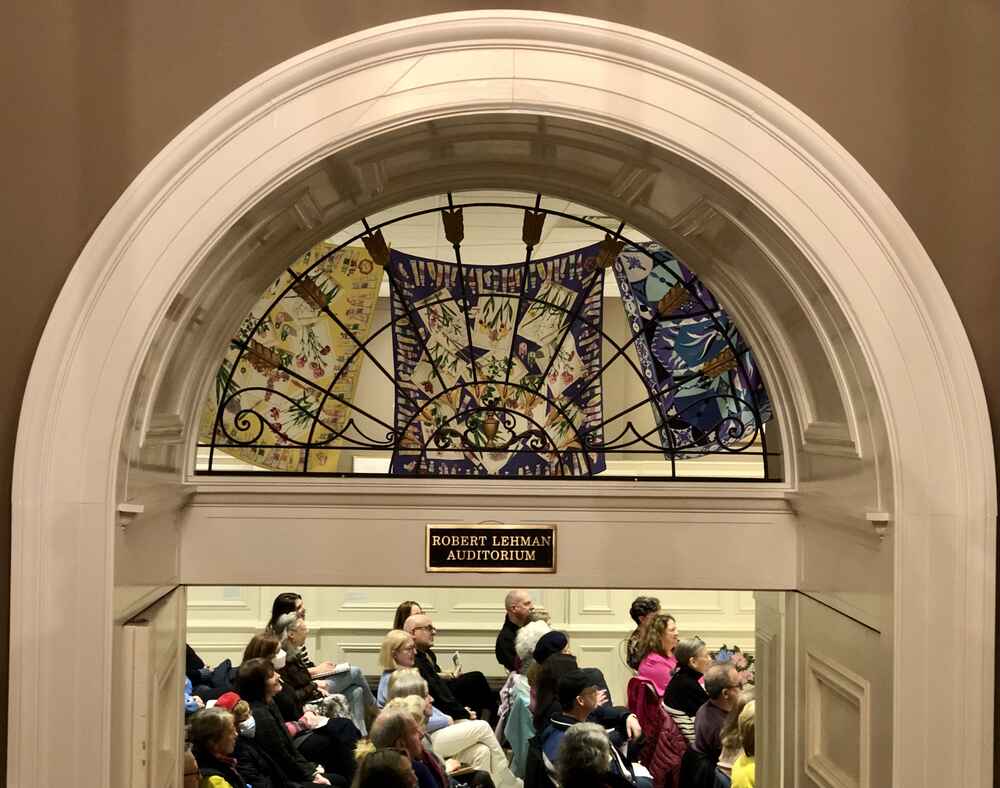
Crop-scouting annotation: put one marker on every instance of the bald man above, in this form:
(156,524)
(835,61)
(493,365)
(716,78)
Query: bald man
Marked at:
(519,607)
(462,696)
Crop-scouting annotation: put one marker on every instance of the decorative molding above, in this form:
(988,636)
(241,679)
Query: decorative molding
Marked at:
(164,429)
(221,604)
(831,438)
(823,674)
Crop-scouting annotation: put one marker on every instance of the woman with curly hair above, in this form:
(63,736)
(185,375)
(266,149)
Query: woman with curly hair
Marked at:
(658,642)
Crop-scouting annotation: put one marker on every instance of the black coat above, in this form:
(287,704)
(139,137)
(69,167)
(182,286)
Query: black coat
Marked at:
(684,693)
(505,651)
(272,737)
(210,766)
(426,663)
(295,676)
(256,766)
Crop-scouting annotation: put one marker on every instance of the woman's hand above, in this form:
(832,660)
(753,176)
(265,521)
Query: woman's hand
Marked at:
(451,764)
(319,779)
(633,727)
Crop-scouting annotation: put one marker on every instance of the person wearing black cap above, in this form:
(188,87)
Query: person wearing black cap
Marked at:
(578,699)
(553,656)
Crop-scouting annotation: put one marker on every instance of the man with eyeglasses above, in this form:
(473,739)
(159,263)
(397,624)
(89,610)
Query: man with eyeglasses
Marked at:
(463,695)
(722,683)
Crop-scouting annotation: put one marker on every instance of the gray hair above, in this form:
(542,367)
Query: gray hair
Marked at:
(389,727)
(585,749)
(687,648)
(284,625)
(717,678)
(208,726)
(406,681)
(527,638)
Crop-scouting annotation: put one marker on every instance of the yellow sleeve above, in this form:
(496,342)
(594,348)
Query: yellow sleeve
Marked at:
(216,782)
(743,772)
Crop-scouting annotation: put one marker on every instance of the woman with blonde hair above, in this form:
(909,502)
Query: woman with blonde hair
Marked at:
(732,744)
(468,741)
(744,768)
(397,728)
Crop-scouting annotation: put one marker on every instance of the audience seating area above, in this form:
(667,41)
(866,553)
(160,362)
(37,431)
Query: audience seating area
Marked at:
(540,716)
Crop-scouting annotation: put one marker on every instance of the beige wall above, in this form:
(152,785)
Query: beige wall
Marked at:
(95,89)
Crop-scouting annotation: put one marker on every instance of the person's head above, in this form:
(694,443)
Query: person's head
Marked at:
(584,750)
(240,709)
(292,631)
(286,602)
(747,729)
(692,653)
(722,683)
(519,606)
(577,694)
(404,611)
(414,705)
(265,646)
(398,650)
(257,680)
(730,734)
(526,640)
(421,629)
(384,769)
(407,682)
(643,608)
(396,728)
(550,643)
(213,731)
(192,777)
(659,636)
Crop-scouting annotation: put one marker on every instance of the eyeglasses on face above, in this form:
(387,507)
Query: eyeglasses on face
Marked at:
(429,627)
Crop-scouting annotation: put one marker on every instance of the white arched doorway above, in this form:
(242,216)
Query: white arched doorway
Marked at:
(878,300)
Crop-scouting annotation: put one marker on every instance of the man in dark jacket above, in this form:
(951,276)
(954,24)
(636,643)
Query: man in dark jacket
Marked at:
(461,696)
(578,698)
(519,608)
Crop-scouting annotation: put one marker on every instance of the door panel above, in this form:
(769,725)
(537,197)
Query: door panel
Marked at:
(150,717)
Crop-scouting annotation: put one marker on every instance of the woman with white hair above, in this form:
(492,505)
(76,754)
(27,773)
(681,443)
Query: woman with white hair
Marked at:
(585,758)
(470,741)
(292,630)
(516,724)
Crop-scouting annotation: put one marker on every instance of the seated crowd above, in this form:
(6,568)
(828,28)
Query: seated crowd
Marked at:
(280,719)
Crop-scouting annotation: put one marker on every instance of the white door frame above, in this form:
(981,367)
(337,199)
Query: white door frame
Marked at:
(67,468)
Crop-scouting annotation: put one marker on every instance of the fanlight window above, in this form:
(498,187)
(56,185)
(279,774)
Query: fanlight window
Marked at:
(489,335)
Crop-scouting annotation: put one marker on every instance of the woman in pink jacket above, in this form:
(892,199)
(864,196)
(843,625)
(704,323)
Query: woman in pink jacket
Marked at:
(658,663)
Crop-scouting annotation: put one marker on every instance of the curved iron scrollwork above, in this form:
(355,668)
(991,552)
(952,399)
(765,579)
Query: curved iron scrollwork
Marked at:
(494,371)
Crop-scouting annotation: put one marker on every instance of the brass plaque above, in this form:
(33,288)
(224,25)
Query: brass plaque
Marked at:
(490,548)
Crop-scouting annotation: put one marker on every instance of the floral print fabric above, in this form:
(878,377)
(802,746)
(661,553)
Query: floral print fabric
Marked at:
(289,377)
(706,390)
(509,387)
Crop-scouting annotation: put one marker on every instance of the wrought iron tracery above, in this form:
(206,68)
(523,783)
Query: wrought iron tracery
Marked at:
(488,425)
